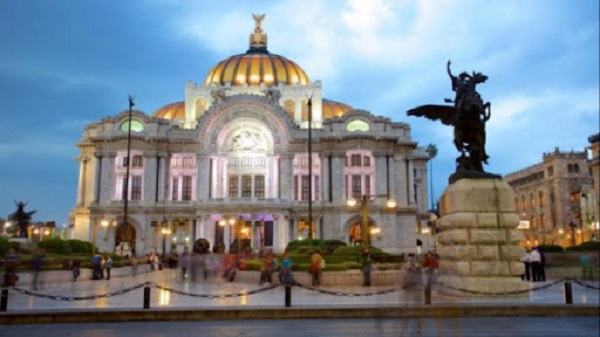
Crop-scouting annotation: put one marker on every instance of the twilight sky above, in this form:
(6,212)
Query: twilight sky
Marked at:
(64,64)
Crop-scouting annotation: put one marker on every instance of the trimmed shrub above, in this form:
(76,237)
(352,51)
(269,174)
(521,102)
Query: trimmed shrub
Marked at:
(585,247)
(80,247)
(4,245)
(551,248)
(52,245)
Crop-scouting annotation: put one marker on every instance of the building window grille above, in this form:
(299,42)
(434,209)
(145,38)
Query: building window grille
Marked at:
(233,187)
(305,187)
(136,187)
(187,188)
(355,160)
(356,186)
(366,161)
(259,187)
(246,186)
(175,189)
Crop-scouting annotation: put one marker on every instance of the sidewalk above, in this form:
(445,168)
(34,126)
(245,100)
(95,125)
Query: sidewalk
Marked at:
(125,296)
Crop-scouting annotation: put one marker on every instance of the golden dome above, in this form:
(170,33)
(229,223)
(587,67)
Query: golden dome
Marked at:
(173,111)
(334,109)
(257,65)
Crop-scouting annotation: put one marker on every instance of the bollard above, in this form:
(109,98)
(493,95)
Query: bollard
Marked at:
(288,295)
(568,293)
(146,297)
(3,299)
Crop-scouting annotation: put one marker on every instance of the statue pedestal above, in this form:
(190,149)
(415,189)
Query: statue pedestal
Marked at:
(478,242)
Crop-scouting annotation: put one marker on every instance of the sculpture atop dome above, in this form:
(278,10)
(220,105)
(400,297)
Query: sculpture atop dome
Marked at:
(258,39)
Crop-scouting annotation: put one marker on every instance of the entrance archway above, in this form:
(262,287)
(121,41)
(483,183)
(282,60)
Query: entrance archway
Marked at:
(125,233)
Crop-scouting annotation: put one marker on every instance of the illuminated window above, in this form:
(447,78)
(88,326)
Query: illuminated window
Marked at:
(357,125)
(541,198)
(531,200)
(136,126)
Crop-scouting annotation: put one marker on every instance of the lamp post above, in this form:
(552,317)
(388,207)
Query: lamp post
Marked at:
(364,211)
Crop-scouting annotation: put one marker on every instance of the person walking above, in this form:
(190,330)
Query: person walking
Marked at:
(366,267)
(527,262)
(97,267)
(108,263)
(269,266)
(315,268)
(37,262)
(76,269)
(431,265)
(184,262)
(536,260)
(285,273)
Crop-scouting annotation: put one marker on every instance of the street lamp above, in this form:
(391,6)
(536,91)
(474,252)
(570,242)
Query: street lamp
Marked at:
(6,225)
(364,210)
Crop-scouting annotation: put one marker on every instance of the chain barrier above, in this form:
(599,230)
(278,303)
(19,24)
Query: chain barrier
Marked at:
(214,296)
(79,298)
(505,293)
(586,285)
(349,294)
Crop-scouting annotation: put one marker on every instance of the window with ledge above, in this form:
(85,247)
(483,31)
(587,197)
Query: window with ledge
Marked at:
(246,186)
(356,185)
(305,187)
(259,186)
(138,161)
(355,160)
(233,187)
(136,188)
(175,189)
(366,161)
(187,188)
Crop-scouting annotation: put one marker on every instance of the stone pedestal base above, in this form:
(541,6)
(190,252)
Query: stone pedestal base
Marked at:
(478,240)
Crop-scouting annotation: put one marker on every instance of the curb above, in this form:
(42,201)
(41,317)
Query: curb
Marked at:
(413,311)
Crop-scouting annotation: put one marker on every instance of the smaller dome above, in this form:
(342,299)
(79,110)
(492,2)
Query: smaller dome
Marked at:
(334,109)
(172,112)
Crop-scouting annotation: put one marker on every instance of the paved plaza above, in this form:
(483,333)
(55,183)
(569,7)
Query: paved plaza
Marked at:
(169,291)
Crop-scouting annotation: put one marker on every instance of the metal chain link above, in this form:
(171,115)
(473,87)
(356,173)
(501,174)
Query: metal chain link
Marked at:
(586,285)
(516,292)
(213,296)
(339,293)
(79,298)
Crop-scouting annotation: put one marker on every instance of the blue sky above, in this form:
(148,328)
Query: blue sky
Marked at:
(67,63)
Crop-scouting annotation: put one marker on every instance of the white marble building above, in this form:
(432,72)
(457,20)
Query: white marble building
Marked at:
(232,160)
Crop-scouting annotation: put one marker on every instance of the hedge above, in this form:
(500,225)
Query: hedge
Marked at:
(78,246)
(551,248)
(585,247)
(4,245)
(52,245)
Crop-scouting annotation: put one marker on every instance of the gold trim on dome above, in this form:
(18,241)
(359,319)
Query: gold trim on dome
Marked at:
(334,109)
(173,111)
(258,39)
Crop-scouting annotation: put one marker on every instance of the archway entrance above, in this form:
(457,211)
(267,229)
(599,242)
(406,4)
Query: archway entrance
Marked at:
(125,234)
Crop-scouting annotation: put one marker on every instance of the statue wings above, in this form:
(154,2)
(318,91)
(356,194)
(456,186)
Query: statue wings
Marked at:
(445,113)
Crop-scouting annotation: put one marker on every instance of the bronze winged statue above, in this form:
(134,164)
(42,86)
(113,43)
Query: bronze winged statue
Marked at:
(468,115)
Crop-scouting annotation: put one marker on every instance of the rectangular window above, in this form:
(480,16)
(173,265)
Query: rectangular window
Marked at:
(367,184)
(366,161)
(355,160)
(550,171)
(305,187)
(138,161)
(136,188)
(233,187)
(356,186)
(259,187)
(295,187)
(246,186)
(317,188)
(175,189)
(187,188)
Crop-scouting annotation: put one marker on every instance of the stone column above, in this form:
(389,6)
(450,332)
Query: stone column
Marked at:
(338,179)
(203,168)
(478,242)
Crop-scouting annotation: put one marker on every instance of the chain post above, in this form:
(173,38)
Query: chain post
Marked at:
(4,299)
(568,293)
(146,297)
(288,295)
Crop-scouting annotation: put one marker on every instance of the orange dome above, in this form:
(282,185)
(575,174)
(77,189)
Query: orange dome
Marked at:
(334,109)
(173,111)
(254,68)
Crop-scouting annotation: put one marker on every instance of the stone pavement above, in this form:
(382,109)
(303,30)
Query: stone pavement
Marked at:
(170,293)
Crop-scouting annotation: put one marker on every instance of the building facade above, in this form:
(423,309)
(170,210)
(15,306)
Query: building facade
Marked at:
(553,199)
(246,155)
(594,202)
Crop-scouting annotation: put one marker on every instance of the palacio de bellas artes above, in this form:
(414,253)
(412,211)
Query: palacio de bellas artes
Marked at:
(254,152)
